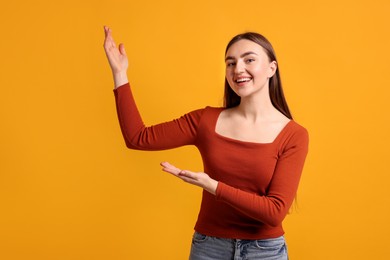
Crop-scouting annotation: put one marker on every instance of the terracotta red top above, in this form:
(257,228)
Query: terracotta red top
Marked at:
(257,182)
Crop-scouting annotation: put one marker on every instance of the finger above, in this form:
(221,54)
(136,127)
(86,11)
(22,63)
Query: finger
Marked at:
(186,179)
(188,175)
(165,164)
(122,49)
(167,167)
(106,33)
(109,40)
(172,171)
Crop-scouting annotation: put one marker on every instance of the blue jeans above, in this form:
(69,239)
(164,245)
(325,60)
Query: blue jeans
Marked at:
(213,248)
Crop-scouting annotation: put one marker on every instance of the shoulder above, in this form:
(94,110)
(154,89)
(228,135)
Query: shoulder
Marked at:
(298,129)
(203,114)
(214,109)
(296,134)
(294,141)
(206,112)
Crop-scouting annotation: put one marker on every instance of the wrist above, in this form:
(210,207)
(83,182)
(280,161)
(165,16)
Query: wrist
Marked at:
(212,187)
(120,78)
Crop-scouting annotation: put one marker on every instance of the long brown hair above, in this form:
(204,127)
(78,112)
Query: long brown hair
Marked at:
(231,99)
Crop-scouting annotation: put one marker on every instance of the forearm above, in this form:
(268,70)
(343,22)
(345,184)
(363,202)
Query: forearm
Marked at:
(130,120)
(267,209)
(271,206)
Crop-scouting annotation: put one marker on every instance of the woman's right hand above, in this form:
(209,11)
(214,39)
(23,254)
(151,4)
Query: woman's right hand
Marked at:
(117,58)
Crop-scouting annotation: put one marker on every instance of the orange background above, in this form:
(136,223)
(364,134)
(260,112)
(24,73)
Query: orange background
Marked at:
(69,189)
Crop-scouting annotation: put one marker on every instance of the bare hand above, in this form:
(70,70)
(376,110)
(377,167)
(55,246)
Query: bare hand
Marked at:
(117,58)
(200,179)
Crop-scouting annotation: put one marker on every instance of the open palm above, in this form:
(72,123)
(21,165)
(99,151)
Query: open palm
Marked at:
(116,55)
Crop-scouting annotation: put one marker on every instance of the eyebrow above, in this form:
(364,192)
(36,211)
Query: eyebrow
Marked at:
(242,55)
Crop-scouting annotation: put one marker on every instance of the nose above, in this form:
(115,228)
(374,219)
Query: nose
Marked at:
(239,68)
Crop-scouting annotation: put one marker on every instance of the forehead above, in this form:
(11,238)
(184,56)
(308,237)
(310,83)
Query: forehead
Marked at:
(243,46)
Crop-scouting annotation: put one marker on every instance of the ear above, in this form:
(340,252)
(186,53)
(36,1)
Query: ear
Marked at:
(273,66)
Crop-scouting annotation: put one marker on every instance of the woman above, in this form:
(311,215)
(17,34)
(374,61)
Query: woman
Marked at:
(253,152)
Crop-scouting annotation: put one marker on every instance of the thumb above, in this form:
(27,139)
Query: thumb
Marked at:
(122,49)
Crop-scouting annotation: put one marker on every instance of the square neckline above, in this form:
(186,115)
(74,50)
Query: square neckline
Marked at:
(227,138)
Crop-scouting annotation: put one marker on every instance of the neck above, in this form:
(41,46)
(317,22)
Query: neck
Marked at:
(257,107)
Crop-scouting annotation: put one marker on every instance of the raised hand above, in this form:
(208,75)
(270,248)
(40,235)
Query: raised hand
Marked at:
(117,58)
(200,179)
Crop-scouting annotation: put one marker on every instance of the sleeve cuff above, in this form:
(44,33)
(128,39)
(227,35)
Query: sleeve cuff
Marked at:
(117,89)
(219,190)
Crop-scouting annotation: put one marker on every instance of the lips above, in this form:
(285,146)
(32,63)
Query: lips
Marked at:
(242,80)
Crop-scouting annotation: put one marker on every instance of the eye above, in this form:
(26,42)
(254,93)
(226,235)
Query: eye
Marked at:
(230,64)
(250,60)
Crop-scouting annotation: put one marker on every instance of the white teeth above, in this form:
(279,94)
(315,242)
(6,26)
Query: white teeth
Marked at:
(242,80)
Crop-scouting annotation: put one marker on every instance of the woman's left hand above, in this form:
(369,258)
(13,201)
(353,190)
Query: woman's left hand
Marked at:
(200,179)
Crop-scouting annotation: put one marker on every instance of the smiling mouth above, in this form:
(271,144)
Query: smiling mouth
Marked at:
(241,80)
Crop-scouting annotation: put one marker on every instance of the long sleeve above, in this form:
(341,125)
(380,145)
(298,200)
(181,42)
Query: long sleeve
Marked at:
(178,132)
(272,207)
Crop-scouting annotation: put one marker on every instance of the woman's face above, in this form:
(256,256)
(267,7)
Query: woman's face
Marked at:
(248,68)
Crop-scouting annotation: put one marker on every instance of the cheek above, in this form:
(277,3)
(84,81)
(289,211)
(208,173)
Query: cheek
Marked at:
(260,71)
(228,72)
(229,75)
(230,82)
